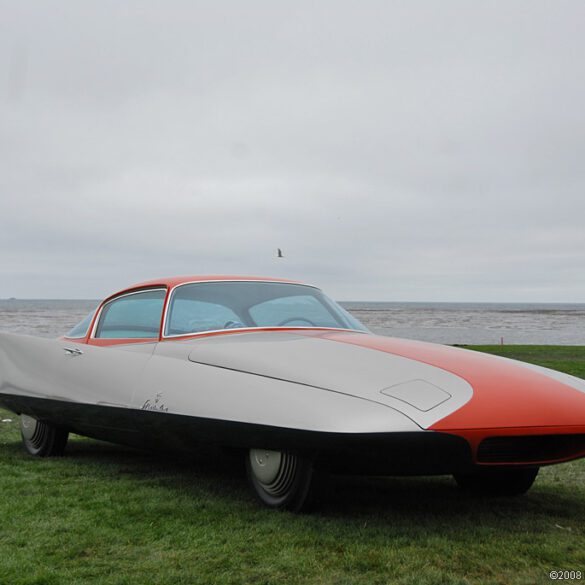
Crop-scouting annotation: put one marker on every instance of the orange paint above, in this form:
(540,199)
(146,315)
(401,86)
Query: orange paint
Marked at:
(505,394)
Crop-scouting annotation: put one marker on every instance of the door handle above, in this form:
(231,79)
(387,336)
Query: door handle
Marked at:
(72,351)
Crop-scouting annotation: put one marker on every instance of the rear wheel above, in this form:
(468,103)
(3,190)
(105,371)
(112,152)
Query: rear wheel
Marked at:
(280,479)
(41,438)
(507,481)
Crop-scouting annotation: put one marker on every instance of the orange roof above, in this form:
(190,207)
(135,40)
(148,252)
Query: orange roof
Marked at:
(173,281)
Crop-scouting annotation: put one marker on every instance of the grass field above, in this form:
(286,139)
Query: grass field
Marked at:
(110,515)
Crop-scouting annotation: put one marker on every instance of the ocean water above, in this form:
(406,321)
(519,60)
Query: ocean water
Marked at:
(44,318)
(467,323)
(476,323)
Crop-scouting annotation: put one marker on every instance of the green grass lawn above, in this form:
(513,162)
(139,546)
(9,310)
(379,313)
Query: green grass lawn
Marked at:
(110,515)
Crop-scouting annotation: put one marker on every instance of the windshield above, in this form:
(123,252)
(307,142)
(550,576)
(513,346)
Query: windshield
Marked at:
(213,306)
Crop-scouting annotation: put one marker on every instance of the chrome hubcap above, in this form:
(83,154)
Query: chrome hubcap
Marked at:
(274,470)
(28,426)
(265,464)
(33,431)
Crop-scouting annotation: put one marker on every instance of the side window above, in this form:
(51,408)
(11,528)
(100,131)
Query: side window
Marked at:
(191,316)
(136,315)
(80,330)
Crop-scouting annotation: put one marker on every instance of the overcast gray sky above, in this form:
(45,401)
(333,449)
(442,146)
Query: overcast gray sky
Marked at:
(393,150)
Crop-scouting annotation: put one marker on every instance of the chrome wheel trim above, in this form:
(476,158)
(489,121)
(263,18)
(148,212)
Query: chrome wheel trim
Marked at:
(265,464)
(28,426)
(275,471)
(34,432)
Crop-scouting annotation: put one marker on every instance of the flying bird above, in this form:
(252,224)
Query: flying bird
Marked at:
(279,253)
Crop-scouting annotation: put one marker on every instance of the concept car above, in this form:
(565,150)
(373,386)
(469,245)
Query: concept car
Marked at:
(275,370)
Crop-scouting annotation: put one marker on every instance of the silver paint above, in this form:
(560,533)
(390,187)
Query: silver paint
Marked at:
(340,367)
(129,375)
(418,393)
(280,379)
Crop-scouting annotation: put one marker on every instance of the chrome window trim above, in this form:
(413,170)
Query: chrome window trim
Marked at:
(173,289)
(118,297)
(263,328)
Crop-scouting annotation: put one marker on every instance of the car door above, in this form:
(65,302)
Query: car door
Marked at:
(104,372)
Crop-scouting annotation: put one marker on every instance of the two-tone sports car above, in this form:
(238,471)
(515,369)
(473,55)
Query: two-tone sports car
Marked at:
(275,369)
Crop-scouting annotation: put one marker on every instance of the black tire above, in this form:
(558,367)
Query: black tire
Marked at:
(280,479)
(42,439)
(500,481)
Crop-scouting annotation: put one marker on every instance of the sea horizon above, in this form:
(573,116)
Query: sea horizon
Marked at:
(464,323)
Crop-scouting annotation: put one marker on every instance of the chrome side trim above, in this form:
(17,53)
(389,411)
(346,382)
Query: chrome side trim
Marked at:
(72,351)
(268,328)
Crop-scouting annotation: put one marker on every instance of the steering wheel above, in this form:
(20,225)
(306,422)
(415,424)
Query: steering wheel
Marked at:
(296,319)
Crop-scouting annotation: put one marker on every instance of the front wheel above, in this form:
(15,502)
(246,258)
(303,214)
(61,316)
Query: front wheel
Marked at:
(500,481)
(280,479)
(41,438)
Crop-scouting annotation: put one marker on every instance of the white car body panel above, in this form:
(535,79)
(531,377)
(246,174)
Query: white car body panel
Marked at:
(356,371)
(33,366)
(214,392)
(137,376)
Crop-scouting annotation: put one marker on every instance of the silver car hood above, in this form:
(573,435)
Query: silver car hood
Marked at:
(423,392)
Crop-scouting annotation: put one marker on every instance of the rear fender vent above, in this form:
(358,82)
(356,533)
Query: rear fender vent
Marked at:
(531,449)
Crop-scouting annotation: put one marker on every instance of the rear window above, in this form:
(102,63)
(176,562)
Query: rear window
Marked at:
(80,330)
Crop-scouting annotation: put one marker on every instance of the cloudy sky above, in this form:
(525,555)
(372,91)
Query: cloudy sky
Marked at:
(393,150)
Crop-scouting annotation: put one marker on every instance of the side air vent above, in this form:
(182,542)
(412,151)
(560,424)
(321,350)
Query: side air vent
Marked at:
(531,449)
